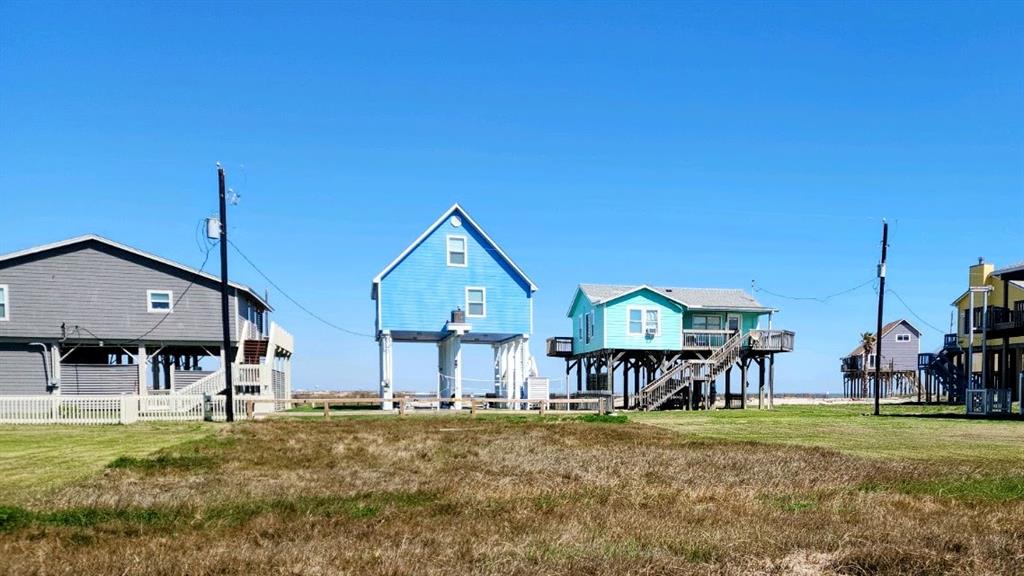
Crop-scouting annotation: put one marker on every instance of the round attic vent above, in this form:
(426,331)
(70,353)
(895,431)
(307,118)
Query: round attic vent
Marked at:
(456,221)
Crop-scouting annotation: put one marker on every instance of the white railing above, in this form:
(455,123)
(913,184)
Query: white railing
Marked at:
(704,339)
(60,409)
(209,384)
(781,340)
(175,407)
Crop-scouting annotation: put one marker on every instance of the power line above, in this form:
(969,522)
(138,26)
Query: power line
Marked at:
(822,300)
(314,315)
(914,314)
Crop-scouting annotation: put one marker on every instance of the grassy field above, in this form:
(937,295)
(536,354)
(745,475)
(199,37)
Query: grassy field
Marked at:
(35,460)
(796,491)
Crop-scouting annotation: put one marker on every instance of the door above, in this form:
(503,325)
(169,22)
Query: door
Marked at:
(735,323)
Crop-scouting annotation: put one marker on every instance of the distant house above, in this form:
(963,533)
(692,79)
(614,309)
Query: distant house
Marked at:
(91,316)
(901,344)
(673,340)
(455,285)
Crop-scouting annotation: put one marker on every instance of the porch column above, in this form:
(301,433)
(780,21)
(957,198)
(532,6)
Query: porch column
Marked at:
(455,351)
(55,362)
(386,384)
(288,378)
(625,384)
(728,385)
(141,360)
(760,383)
(771,381)
(743,383)
(611,379)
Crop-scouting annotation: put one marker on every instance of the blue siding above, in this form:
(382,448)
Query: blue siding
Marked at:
(580,308)
(421,291)
(616,322)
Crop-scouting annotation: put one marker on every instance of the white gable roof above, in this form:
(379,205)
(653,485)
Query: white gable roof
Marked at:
(465,216)
(137,252)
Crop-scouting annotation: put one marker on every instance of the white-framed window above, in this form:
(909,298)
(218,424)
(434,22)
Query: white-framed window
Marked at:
(871,360)
(476,302)
(903,337)
(636,321)
(457,251)
(581,320)
(590,326)
(652,321)
(5,302)
(704,322)
(734,322)
(161,301)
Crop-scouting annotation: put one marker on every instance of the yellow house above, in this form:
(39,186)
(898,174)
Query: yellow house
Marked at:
(1004,332)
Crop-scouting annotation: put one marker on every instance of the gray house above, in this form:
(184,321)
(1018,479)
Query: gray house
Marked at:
(901,342)
(91,316)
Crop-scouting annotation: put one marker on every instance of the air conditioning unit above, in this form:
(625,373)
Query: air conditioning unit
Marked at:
(651,332)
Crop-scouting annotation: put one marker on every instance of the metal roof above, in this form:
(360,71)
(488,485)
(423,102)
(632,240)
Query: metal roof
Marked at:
(706,298)
(124,247)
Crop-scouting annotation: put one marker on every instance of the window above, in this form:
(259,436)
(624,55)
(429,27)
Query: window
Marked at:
(582,320)
(476,302)
(871,360)
(636,321)
(5,308)
(160,300)
(707,322)
(457,251)
(652,324)
(590,326)
(903,337)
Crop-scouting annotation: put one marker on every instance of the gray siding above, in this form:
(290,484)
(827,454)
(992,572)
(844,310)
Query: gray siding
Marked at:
(98,379)
(23,369)
(103,290)
(902,354)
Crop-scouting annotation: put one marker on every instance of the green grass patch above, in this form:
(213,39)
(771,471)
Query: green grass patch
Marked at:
(915,432)
(355,507)
(35,460)
(162,462)
(992,489)
(603,418)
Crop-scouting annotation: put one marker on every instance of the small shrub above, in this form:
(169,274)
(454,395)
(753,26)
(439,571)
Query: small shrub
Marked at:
(13,517)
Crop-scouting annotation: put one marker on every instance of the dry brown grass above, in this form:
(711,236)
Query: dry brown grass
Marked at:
(511,496)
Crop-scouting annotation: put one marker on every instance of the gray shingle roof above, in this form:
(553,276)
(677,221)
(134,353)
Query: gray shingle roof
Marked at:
(712,298)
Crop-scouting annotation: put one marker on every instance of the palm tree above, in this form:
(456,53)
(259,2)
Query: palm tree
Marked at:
(867,343)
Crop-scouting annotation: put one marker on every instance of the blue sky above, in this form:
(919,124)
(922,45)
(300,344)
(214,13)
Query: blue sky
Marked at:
(676,144)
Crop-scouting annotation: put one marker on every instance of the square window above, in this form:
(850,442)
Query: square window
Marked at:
(903,337)
(160,300)
(456,250)
(636,322)
(476,302)
(651,325)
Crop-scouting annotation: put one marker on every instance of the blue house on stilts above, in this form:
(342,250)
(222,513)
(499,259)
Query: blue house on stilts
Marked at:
(454,285)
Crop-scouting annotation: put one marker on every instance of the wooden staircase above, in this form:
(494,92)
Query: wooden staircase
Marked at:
(689,372)
(254,350)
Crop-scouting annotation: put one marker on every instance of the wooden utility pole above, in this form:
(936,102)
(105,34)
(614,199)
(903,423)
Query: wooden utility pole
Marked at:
(225,314)
(881,310)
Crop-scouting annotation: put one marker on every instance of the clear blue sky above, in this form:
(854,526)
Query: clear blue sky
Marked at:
(676,144)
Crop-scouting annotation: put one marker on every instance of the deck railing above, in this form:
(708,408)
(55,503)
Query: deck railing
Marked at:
(771,340)
(559,346)
(705,339)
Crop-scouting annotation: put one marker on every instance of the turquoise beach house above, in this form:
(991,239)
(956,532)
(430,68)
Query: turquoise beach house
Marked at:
(669,339)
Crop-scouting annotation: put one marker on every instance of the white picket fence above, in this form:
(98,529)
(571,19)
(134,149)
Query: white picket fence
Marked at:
(125,409)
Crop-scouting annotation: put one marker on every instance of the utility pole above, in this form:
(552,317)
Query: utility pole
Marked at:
(881,310)
(225,313)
